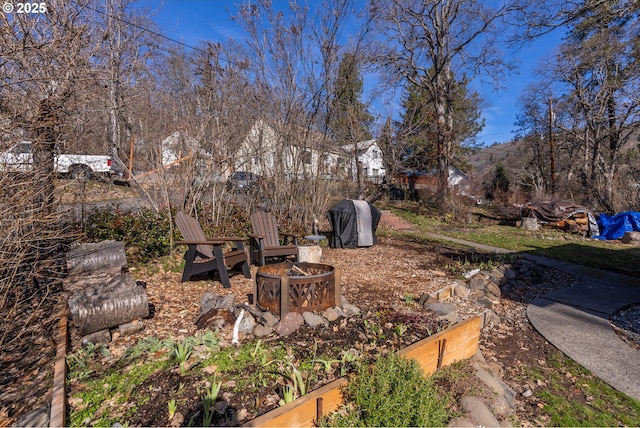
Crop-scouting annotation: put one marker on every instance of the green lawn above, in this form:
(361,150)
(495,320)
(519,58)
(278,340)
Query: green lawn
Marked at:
(610,255)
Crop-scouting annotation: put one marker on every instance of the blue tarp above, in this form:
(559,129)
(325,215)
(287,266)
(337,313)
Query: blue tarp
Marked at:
(614,227)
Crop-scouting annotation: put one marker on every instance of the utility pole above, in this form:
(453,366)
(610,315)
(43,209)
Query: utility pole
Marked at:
(551,150)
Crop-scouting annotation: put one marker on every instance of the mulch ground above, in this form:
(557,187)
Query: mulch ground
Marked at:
(388,275)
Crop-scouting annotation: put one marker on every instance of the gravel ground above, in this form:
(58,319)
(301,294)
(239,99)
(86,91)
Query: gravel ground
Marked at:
(626,323)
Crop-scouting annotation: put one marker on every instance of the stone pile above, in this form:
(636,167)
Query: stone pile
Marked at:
(482,290)
(218,311)
(494,408)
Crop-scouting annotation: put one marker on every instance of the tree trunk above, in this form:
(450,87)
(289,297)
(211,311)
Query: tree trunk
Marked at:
(109,305)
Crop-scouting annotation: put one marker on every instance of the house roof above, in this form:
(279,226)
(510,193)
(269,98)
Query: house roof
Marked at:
(361,146)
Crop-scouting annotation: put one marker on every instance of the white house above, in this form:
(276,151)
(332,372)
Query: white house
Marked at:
(177,146)
(292,151)
(369,158)
(297,152)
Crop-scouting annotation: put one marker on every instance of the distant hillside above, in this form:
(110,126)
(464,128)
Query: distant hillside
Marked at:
(516,157)
(488,157)
(514,154)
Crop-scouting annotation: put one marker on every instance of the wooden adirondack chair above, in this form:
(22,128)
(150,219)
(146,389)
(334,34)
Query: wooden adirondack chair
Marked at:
(265,239)
(206,254)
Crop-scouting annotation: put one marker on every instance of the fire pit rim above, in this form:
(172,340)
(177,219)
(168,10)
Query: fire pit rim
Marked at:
(262,269)
(268,287)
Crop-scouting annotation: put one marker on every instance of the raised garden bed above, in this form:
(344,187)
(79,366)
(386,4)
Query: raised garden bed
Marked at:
(453,344)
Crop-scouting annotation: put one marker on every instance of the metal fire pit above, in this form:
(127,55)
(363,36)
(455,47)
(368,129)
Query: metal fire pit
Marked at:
(297,287)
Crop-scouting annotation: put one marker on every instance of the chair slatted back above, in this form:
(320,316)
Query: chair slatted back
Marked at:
(265,224)
(191,231)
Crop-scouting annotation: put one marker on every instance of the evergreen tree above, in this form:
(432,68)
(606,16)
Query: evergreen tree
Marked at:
(419,124)
(349,119)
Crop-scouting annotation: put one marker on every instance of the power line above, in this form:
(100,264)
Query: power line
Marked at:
(155,33)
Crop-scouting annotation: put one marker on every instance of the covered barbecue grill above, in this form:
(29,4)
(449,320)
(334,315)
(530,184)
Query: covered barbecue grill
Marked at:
(353,224)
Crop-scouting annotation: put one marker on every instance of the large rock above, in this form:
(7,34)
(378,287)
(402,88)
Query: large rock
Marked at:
(631,238)
(289,323)
(478,412)
(440,309)
(349,309)
(101,337)
(331,314)
(314,320)
(269,319)
(262,331)
(247,324)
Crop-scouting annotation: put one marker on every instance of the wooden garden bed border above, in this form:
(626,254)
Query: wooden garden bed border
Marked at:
(453,344)
(57,417)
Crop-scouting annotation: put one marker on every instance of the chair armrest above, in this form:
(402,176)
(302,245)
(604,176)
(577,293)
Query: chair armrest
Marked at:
(225,239)
(212,241)
(255,236)
(193,243)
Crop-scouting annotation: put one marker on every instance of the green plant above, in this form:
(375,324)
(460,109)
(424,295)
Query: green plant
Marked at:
(173,407)
(146,233)
(347,358)
(408,299)
(208,401)
(79,361)
(212,392)
(210,339)
(181,353)
(372,327)
(326,364)
(392,392)
(288,394)
(401,329)
(297,385)
(259,354)
(207,413)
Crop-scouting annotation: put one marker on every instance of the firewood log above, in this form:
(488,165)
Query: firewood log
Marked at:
(90,257)
(109,305)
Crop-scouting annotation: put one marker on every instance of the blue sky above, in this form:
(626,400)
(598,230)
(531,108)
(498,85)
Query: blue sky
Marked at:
(191,21)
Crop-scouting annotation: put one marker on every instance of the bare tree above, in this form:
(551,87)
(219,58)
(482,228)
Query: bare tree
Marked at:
(433,45)
(592,81)
(293,63)
(45,59)
(128,41)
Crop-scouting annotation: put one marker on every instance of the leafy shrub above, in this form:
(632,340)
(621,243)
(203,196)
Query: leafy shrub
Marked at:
(145,233)
(392,392)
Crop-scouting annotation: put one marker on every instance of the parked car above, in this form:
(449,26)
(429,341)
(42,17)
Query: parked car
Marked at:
(19,157)
(243,181)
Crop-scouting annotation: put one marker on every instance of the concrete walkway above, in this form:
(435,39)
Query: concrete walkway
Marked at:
(576,319)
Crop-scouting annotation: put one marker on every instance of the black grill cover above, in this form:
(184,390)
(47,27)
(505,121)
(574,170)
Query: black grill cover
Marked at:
(345,217)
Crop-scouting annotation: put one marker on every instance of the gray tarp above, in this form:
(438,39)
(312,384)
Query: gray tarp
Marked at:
(555,211)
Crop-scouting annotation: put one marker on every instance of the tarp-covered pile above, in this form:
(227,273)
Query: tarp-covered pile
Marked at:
(615,226)
(557,211)
(354,224)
